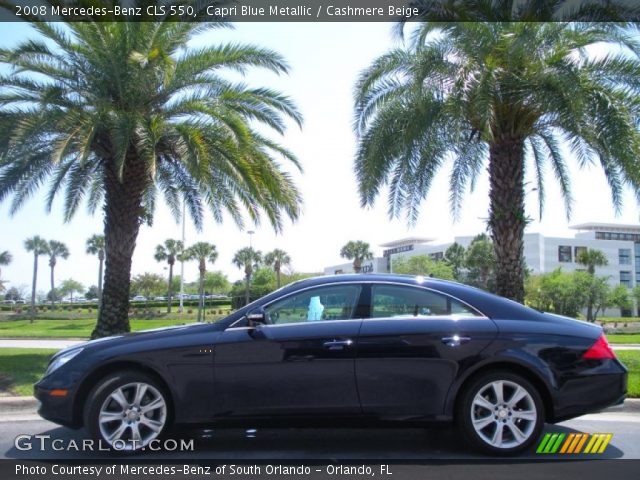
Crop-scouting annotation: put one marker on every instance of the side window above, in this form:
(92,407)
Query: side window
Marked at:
(325,303)
(406,302)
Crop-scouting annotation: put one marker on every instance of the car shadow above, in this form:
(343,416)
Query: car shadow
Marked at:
(435,443)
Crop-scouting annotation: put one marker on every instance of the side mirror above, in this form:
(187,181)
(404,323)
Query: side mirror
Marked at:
(257,317)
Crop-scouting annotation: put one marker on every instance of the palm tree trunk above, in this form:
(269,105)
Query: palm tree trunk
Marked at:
(247,288)
(33,287)
(201,299)
(169,292)
(53,283)
(590,312)
(122,217)
(506,216)
(100,283)
(277,276)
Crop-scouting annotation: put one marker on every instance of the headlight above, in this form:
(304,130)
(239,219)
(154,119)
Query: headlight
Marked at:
(61,360)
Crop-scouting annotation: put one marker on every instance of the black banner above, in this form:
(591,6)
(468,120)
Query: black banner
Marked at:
(322,470)
(320,10)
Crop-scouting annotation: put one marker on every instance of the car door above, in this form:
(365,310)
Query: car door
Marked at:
(411,348)
(301,362)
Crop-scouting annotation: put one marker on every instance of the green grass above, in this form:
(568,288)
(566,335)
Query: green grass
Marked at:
(74,328)
(623,337)
(20,368)
(619,320)
(631,359)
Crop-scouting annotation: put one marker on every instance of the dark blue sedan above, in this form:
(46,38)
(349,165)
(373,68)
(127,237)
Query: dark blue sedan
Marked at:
(343,350)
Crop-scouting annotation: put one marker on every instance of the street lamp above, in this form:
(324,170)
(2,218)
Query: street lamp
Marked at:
(251,232)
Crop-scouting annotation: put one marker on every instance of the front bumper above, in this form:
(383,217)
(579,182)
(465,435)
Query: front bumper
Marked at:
(56,409)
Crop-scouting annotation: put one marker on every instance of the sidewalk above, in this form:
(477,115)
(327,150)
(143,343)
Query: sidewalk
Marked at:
(37,343)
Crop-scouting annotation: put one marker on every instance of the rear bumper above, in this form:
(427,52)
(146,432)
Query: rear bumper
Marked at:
(590,394)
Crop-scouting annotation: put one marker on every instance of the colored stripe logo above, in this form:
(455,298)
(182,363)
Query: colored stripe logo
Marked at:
(574,443)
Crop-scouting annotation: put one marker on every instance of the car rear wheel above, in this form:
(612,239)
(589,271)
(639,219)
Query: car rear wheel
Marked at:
(501,413)
(126,411)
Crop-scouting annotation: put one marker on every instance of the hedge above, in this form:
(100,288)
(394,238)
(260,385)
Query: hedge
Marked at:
(43,307)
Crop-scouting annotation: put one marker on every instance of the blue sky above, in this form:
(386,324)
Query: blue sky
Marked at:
(325,60)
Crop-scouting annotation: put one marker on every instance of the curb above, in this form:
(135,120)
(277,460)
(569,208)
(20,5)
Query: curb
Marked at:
(10,406)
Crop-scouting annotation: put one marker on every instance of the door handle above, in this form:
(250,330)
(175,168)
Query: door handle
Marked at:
(337,344)
(455,340)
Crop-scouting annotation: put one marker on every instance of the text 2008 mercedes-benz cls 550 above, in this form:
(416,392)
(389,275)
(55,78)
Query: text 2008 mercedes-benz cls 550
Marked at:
(344,350)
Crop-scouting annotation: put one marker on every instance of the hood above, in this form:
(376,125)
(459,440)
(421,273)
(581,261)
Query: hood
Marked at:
(174,331)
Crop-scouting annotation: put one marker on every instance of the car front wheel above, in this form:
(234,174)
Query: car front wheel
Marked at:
(501,413)
(126,411)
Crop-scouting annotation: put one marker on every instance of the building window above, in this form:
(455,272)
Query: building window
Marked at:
(624,256)
(637,257)
(437,256)
(628,237)
(564,253)
(625,279)
(577,250)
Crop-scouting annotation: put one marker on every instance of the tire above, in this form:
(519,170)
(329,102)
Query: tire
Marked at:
(118,420)
(500,428)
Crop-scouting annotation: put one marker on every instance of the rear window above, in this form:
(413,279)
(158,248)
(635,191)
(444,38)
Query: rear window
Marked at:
(389,301)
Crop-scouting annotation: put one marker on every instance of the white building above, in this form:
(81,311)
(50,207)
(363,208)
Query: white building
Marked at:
(620,244)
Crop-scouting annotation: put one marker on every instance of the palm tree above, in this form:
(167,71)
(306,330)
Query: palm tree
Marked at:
(55,250)
(248,259)
(203,252)
(5,259)
(95,246)
(502,93)
(120,112)
(169,252)
(277,258)
(357,251)
(592,258)
(38,246)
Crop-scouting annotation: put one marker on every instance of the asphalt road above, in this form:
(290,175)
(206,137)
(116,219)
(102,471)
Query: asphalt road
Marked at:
(439,443)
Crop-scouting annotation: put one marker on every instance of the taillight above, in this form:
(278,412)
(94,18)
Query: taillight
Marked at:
(599,350)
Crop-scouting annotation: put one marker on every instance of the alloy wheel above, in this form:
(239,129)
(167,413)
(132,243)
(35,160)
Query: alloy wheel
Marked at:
(503,414)
(132,416)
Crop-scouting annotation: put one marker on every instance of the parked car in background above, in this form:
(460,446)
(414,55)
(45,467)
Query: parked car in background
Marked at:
(160,299)
(139,298)
(344,350)
(8,302)
(21,301)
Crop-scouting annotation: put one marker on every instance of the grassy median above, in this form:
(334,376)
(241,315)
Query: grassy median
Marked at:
(631,359)
(81,328)
(20,368)
(624,338)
